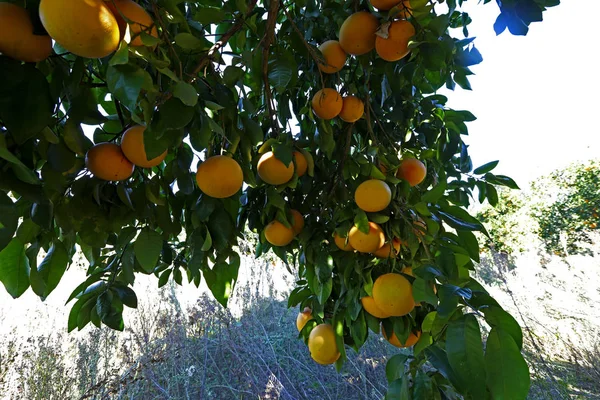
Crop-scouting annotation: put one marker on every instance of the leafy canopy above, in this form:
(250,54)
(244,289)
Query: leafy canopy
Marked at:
(237,78)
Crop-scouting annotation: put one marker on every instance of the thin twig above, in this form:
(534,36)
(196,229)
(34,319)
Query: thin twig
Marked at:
(268,40)
(311,51)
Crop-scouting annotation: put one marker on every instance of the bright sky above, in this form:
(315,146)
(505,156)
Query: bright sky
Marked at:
(533,95)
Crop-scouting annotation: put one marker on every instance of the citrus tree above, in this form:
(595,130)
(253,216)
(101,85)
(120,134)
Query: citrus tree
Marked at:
(314,124)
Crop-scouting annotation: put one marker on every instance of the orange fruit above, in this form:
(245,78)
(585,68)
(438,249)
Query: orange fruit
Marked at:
(322,346)
(334,55)
(106,161)
(357,34)
(373,195)
(273,171)
(17,39)
(408,271)
(393,294)
(278,234)
(303,317)
(353,109)
(369,242)
(385,5)
(386,250)
(132,144)
(327,103)
(395,46)
(412,170)
(139,20)
(85,28)
(410,341)
(298,224)
(369,305)
(301,164)
(220,177)
(340,242)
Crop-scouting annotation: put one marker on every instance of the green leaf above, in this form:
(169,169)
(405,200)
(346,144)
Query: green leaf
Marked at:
(398,390)
(27,231)
(465,354)
(283,153)
(501,180)
(507,371)
(187,41)
(423,387)
(485,168)
(25,103)
(361,221)
(22,172)
(496,317)
(210,15)
(125,82)
(14,268)
(75,139)
(52,269)
(221,279)
(60,158)
(394,368)
(469,242)
(186,93)
(422,291)
(436,193)
(438,358)
(459,218)
(147,249)
(492,194)
(9,219)
(121,56)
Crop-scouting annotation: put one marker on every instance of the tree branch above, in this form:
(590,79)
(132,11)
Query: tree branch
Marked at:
(311,51)
(268,40)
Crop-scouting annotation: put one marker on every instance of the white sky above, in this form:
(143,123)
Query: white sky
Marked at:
(533,95)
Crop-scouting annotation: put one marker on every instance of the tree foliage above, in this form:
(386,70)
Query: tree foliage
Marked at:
(560,209)
(237,78)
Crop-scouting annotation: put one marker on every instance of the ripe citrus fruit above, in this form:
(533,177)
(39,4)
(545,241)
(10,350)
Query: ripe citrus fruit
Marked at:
(303,317)
(369,242)
(85,28)
(220,177)
(395,46)
(322,346)
(17,39)
(369,305)
(106,161)
(410,341)
(139,20)
(412,170)
(353,109)
(273,171)
(298,224)
(334,55)
(278,234)
(393,294)
(301,164)
(373,195)
(407,271)
(357,34)
(132,144)
(386,250)
(340,242)
(327,103)
(384,5)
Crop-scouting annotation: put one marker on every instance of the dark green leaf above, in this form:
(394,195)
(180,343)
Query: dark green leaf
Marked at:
(147,249)
(465,354)
(14,268)
(507,371)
